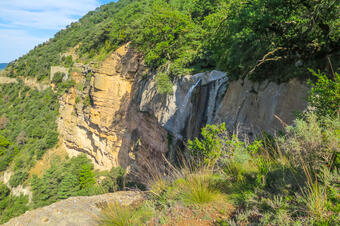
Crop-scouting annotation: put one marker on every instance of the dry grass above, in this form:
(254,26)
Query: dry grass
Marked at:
(116,214)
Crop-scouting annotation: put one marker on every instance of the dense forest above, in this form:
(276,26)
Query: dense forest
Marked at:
(255,39)
(244,38)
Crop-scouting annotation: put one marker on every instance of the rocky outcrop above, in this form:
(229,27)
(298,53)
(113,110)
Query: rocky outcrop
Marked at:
(250,108)
(76,211)
(126,122)
(110,127)
(56,69)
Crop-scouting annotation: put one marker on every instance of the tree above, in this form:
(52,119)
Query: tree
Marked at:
(68,186)
(86,177)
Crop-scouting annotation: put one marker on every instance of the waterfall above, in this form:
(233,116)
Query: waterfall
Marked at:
(188,97)
(183,112)
(213,97)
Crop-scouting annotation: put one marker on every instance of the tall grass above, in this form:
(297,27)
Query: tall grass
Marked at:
(118,215)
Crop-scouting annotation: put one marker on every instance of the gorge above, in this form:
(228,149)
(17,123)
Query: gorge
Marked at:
(154,112)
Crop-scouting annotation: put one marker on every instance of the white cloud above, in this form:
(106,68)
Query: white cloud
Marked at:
(26,23)
(44,14)
(14,43)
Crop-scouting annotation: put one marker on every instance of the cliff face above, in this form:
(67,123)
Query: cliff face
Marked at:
(127,122)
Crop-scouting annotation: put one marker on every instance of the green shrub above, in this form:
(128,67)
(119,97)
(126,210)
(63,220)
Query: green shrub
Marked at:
(118,215)
(210,147)
(4,191)
(18,178)
(72,177)
(115,180)
(324,96)
(58,77)
(12,206)
(313,142)
(164,84)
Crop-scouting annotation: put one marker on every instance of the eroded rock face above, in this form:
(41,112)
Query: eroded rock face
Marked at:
(101,128)
(76,211)
(130,124)
(251,107)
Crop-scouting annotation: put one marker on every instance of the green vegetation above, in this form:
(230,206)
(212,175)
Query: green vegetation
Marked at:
(73,177)
(258,39)
(62,180)
(27,127)
(10,205)
(292,179)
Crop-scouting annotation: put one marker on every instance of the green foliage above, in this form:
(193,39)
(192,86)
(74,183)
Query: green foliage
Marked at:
(279,32)
(68,62)
(86,178)
(196,189)
(62,180)
(314,140)
(33,114)
(325,94)
(164,84)
(168,37)
(260,39)
(58,77)
(12,206)
(18,178)
(209,148)
(118,215)
(4,191)
(114,181)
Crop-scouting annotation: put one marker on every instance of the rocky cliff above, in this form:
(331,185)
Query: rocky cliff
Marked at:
(118,118)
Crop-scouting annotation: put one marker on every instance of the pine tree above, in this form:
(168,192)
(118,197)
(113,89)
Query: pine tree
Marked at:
(68,186)
(86,176)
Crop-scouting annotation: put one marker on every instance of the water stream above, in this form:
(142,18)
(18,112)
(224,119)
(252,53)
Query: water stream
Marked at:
(188,97)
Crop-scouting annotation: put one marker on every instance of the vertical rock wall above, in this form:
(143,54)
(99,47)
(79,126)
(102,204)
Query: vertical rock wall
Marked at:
(130,124)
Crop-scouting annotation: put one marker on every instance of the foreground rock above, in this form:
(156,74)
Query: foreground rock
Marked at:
(76,211)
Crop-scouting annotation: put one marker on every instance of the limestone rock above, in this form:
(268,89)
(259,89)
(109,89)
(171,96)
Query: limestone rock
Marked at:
(129,123)
(252,107)
(75,211)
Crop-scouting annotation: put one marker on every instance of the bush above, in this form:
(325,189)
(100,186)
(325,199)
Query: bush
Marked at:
(324,96)
(73,177)
(118,215)
(4,191)
(58,77)
(313,142)
(115,180)
(164,84)
(210,147)
(18,178)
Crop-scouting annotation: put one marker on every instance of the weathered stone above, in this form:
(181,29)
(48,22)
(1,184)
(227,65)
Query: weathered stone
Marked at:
(130,121)
(56,69)
(76,211)
(251,107)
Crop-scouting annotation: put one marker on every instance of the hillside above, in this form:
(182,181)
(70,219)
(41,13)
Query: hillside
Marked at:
(206,105)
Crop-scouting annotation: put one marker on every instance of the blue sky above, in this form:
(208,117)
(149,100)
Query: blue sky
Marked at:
(27,23)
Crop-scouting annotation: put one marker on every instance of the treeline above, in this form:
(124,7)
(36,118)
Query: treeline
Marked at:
(257,39)
(27,126)
(63,179)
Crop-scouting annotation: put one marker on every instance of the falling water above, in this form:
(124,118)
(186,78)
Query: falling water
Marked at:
(182,113)
(213,96)
(188,97)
